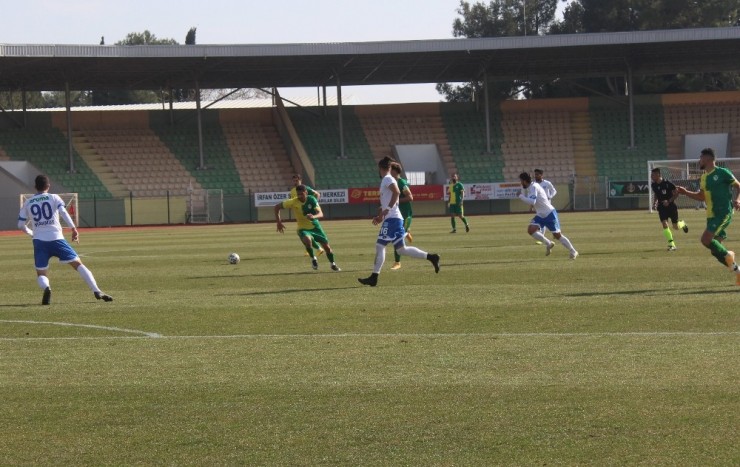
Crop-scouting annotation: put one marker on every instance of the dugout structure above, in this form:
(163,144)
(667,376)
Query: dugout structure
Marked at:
(686,173)
(71,202)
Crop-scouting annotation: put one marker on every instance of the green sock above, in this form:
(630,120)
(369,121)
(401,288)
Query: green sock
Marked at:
(310,251)
(452,221)
(407,224)
(668,235)
(396,256)
(330,256)
(465,221)
(718,251)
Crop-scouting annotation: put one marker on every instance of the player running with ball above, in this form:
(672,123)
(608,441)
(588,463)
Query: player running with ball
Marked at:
(307,213)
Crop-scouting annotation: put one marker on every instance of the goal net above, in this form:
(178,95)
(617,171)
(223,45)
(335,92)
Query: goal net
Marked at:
(686,173)
(206,206)
(71,202)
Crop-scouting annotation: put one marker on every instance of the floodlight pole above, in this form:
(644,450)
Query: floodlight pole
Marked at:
(25,107)
(70,148)
(524,14)
(324,95)
(488,114)
(631,100)
(172,106)
(202,165)
(339,113)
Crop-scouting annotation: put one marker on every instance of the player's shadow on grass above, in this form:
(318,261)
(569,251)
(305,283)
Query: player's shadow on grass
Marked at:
(657,292)
(325,270)
(445,264)
(273,274)
(285,291)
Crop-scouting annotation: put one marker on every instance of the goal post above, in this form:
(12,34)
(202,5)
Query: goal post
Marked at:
(686,173)
(71,202)
(205,206)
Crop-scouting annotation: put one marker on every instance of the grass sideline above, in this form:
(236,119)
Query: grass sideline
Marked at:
(627,355)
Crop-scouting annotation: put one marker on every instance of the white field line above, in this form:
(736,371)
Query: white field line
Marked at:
(90,326)
(145,334)
(472,334)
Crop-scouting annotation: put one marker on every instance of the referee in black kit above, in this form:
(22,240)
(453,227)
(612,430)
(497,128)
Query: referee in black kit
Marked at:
(665,197)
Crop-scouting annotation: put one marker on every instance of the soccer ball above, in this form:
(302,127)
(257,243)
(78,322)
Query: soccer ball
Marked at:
(234,258)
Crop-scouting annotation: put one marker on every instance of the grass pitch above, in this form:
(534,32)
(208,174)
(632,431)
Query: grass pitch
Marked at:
(627,355)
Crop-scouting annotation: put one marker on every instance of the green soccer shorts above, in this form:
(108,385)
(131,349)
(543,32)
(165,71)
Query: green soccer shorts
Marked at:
(456,209)
(317,233)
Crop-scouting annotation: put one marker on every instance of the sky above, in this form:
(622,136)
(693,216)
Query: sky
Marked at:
(240,22)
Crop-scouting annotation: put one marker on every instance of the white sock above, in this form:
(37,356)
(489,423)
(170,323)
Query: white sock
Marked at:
(540,237)
(566,243)
(379,258)
(412,251)
(88,277)
(43,282)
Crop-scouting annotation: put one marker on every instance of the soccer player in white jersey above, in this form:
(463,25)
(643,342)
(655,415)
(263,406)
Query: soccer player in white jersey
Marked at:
(391,230)
(546,216)
(43,210)
(549,188)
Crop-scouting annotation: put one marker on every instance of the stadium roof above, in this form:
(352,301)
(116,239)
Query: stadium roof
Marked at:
(255,103)
(48,67)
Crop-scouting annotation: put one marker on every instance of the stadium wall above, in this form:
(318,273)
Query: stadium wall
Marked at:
(15,178)
(702,98)
(568,104)
(263,116)
(34,119)
(416,110)
(101,119)
(102,212)
(172,210)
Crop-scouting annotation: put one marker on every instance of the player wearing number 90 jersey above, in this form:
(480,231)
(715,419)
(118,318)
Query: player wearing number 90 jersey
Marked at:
(43,211)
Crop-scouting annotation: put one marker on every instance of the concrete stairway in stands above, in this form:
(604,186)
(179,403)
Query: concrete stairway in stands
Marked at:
(96,163)
(583,150)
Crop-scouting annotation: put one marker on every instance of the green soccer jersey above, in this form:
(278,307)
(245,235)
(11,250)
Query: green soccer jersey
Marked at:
(301,210)
(717,187)
(456,193)
(402,185)
(309,191)
(404,204)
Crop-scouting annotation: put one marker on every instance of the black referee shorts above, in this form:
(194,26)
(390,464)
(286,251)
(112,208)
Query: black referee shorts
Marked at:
(668,212)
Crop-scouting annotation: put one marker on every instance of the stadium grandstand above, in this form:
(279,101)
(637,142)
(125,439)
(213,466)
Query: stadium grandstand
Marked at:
(123,157)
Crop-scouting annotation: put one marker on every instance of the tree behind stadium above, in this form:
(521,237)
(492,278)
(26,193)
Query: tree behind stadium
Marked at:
(497,19)
(125,96)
